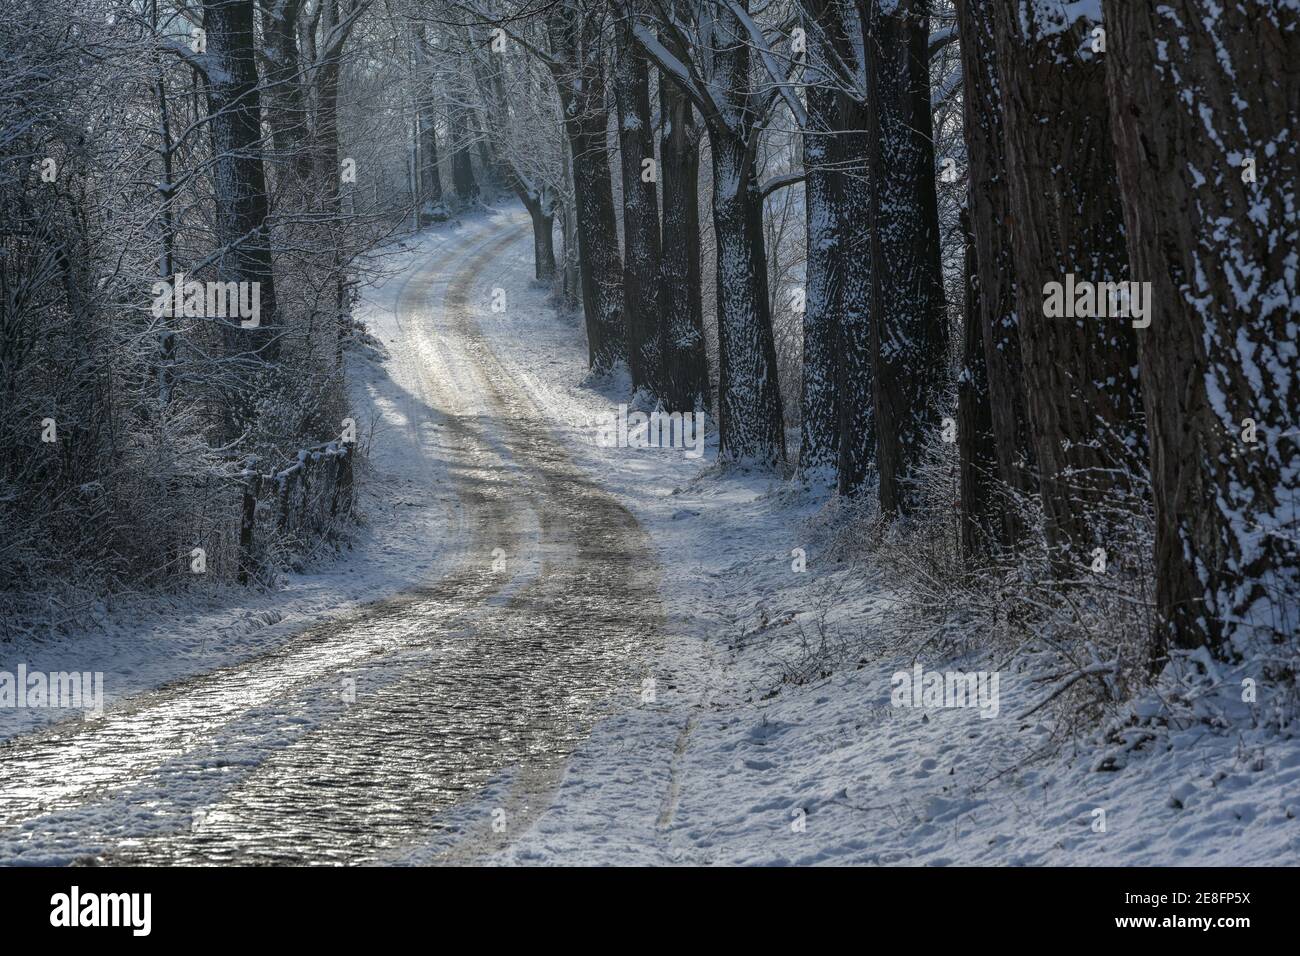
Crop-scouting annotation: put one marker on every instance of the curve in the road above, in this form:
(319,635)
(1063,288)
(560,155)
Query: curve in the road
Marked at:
(478,673)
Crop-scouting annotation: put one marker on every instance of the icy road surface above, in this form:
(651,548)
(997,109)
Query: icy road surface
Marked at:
(343,745)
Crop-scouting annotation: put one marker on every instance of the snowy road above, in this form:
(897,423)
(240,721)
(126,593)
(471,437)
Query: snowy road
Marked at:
(344,745)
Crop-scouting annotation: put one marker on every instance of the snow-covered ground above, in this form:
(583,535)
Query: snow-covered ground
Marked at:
(746,756)
(765,733)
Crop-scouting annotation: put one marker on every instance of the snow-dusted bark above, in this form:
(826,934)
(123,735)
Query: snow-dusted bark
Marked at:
(908,333)
(239,180)
(837,403)
(685,383)
(990,219)
(749,413)
(818,408)
(852,304)
(631,79)
(1205,98)
(819,412)
(599,265)
(1081,381)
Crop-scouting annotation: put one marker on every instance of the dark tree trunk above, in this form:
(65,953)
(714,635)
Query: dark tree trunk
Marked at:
(975,446)
(287,108)
(640,214)
(329,176)
(166,188)
(543,217)
(580,78)
(909,334)
(750,424)
(1081,382)
(462,165)
(685,366)
(819,449)
(853,303)
(1221,347)
(242,208)
(599,265)
(570,284)
(427,117)
(990,216)
(838,437)
(430,176)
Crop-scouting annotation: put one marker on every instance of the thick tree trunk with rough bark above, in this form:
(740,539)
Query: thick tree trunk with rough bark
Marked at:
(852,305)
(838,442)
(909,333)
(599,265)
(685,366)
(1210,209)
(1081,383)
(579,72)
(287,107)
(750,421)
(641,250)
(839,255)
(749,413)
(990,217)
(239,180)
(819,449)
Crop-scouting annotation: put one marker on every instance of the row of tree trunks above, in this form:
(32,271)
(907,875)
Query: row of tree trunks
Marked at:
(750,424)
(908,336)
(1081,382)
(1210,213)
